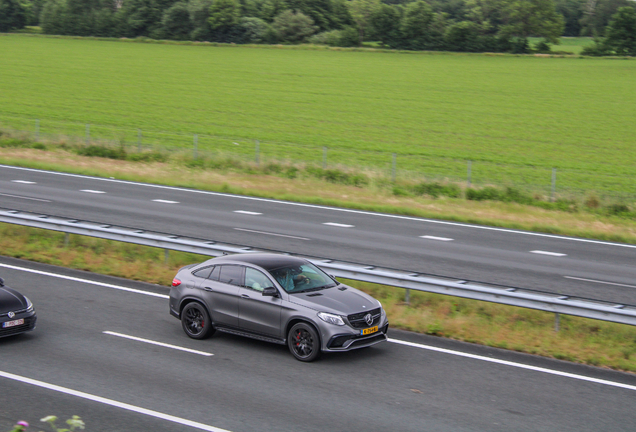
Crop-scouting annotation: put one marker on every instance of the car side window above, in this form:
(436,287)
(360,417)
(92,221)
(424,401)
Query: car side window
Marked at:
(256,280)
(231,274)
(203,273)
(215,273)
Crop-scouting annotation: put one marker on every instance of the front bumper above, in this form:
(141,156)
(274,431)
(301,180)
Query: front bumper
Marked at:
(30,319)
(352,339)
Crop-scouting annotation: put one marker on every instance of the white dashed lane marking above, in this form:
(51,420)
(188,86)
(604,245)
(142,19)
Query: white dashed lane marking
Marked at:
(161,344)
(166,201)
(92,191)
(339,225)
(23,181)
(271,234)
(436,238)
(247,212)
(555,254)
(601,282)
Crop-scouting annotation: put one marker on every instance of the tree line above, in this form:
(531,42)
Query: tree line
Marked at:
(449,25)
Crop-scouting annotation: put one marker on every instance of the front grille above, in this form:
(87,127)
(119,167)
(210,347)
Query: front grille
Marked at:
(29,324)
(357,320)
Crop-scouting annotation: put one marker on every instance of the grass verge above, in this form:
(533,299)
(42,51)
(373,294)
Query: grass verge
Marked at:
(580,340)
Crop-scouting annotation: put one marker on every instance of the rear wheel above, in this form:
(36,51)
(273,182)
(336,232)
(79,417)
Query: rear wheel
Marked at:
(196,321)
(303,342)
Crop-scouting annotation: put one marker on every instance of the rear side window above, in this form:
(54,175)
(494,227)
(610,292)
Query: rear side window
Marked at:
(203,273)
(215,273)
(231,274)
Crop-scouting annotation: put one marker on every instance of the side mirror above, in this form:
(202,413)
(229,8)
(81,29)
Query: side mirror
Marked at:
(270,292)
(1,282)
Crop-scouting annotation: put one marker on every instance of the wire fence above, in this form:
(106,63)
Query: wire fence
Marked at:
(546,182)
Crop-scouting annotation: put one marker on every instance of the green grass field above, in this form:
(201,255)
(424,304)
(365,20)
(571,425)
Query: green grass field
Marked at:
(515,117)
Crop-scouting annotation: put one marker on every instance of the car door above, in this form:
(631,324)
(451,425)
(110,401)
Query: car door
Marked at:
(221,290)
(258,313)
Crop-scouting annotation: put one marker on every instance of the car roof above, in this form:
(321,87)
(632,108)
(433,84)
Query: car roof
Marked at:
(267,261)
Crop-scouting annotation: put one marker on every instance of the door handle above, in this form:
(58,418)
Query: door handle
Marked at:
(207,289)
(245,296)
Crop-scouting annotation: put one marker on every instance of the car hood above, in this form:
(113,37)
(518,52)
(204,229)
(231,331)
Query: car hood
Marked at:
(335,300)
(11,300)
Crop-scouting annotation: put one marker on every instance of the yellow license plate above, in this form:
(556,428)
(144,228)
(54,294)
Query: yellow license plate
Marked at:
(369,330)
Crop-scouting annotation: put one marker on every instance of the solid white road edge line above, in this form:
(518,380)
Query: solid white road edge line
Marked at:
(272,234)
(111,402)
(178,189)
(151,342)
(556,254)
(514,364)
(601,282)
(86,281)
(24,197)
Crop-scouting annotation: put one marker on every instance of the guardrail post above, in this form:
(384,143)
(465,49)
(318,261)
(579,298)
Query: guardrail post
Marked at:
(407,296)
(469,172)
(88,133)
(257,151)
(37,129)
(66,239)
(196,142)
(557,322)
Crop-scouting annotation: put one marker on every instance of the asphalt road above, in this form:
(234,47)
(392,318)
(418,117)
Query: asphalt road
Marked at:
(583,267)
(133,385)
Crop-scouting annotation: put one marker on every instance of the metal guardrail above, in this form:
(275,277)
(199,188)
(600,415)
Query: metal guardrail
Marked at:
(513,296)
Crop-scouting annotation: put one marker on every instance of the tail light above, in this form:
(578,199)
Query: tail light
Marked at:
(176,282)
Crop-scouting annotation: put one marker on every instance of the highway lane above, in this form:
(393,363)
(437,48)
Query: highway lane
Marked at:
(253,386)
(553,263)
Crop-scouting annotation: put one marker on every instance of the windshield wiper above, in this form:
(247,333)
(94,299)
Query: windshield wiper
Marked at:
(318,288)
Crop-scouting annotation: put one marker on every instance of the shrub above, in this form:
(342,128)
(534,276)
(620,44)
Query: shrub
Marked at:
(104,152)
(487,193)
(437,189)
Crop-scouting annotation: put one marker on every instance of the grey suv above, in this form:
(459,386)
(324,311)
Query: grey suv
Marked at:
(276,298)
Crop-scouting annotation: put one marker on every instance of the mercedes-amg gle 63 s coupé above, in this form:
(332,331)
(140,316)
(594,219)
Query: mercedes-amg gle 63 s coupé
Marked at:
(276,298)
(16,312)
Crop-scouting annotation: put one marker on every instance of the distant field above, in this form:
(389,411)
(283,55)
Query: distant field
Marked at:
(515,117)
(568,44)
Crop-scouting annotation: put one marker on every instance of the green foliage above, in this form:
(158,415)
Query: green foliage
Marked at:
(294,27)
(104,152)
(348,37)
(621,33)
(13,15)
(224,15)
(337,176)
(255,30)
(464,36)
(176,23)
(437,189)
(362,12)
(385,23)
(526,18)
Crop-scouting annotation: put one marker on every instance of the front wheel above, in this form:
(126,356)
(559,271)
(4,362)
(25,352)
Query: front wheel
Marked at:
(303,342)
(196,321)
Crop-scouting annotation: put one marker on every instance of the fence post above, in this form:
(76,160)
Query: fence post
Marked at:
(258,150)
(393,168)
(470,163)
(139,140)
(37,129)
(557,322)
(196,141)
(324,157)
(553,184)
(88,133)
(166,255)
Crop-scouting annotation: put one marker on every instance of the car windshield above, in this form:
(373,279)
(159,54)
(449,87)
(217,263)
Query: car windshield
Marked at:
(306,277)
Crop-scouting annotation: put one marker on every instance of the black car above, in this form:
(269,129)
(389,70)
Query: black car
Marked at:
(17,314)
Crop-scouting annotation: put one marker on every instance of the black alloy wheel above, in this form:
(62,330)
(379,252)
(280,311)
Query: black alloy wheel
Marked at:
(196,321)
(303,342)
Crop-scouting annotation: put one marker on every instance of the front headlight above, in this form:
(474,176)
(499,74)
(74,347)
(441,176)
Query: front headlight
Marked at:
(331,318)
(29,305)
